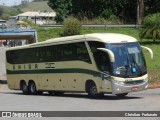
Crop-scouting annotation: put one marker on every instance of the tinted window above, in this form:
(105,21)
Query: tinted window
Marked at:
(101,58)
(54,53)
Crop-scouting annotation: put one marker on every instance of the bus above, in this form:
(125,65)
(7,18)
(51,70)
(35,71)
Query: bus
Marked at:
(97,64)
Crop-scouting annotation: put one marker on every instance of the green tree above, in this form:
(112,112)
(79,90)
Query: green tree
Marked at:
(151,27)
(1,11)
(61,7)
(124,9)
(152,6)
(72,26)
(129,11)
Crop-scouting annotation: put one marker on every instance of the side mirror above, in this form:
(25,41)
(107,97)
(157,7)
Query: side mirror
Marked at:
(109,52)
(149,50)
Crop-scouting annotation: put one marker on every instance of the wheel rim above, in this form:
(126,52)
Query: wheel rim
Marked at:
(94,90)
(24,87)
(33,88)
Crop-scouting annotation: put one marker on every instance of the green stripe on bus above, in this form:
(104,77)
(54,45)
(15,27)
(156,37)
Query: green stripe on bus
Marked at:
(48,71)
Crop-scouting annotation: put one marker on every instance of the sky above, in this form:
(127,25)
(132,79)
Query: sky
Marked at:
(10,2)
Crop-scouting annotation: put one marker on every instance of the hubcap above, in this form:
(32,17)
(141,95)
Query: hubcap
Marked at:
(33,88)
(24,87)
(94,90)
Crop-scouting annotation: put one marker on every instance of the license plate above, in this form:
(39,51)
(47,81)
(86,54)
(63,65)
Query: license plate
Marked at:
(134,88)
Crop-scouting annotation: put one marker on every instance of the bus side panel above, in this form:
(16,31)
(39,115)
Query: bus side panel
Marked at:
(53,81)
(12,81)
(76,82)
(106,86)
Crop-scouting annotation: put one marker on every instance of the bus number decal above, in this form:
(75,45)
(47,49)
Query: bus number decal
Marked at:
(24,67)
(49,65)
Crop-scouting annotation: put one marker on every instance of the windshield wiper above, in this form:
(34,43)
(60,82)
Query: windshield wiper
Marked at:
(136,65)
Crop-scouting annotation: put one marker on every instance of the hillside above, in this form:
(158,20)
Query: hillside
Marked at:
(36,6)
(6,8)
(6,12)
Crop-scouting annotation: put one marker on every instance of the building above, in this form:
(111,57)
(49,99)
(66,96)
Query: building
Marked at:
(38,17)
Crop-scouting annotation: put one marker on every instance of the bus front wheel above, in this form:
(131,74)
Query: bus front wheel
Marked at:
(92,91)
(32,88)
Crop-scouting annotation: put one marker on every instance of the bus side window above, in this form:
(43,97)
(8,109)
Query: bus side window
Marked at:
(10,57)
(67,52)
(82,52)
(103,61)
(101,58)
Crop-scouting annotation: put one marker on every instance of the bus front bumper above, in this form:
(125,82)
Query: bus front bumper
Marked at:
(120,87)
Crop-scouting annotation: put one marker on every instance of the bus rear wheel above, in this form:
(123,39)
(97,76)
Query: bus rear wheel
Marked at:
(24,88)
(32,88)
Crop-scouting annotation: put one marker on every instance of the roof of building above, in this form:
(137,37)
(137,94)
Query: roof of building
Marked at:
(38,14)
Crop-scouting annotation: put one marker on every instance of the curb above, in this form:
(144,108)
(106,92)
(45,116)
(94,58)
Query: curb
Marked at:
(3,81)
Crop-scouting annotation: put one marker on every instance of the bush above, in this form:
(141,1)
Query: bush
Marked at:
(151,27)
(72,26)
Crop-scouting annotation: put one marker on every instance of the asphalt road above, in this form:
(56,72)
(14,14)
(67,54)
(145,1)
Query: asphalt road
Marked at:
(11,100)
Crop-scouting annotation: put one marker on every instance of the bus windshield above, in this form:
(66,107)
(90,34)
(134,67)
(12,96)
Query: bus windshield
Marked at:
(129,60)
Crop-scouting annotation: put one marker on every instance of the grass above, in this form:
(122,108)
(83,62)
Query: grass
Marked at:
(44,34)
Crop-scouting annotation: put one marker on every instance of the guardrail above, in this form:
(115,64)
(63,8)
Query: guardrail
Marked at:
(97,26)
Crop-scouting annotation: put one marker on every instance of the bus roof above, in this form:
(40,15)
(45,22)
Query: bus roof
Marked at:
(100,37)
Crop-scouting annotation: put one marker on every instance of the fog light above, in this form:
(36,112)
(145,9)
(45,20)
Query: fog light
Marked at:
(146,86)
(118,89)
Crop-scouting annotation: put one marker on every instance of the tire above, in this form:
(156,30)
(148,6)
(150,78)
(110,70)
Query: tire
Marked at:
(24,88)
(32,88)
(92,91)
(121,95)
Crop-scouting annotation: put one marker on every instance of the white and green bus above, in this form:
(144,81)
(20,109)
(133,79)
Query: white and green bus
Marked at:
(98,64)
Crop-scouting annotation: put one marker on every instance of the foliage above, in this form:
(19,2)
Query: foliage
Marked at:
(6,12)
(72,26)
(39,0)
(1,11)
(126,10)
(151,27)
(62,8)
(112,20)
(28,24)
(152,6)
(92,9)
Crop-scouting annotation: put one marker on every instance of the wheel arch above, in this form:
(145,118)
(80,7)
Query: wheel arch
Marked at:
(30,81)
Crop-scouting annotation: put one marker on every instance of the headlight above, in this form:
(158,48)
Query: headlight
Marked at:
(119,82)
